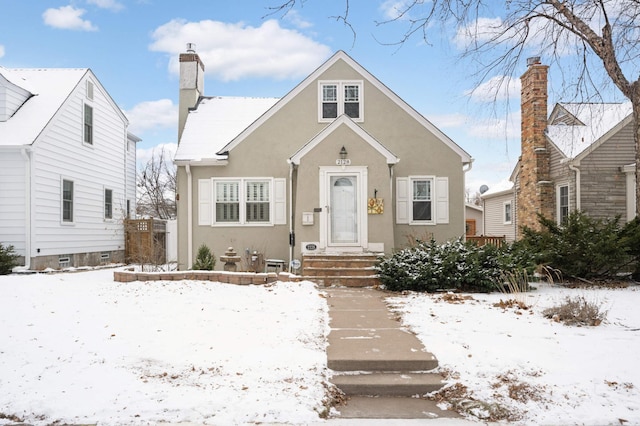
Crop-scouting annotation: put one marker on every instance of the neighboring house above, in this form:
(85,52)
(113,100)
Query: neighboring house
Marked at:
(579,157)
(474,222)
(67,168)
(499,212)
(339,164)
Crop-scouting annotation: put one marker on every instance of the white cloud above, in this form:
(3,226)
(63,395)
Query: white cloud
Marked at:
(1,51)
(497,128)
(143,155)
(236,51)
(151,115)
(107,4)
(497,88)
(297,20)
(67,18)
(449,120)
(480,31)
(396,9)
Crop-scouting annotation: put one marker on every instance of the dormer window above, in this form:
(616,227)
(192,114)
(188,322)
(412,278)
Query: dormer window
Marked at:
(340,97)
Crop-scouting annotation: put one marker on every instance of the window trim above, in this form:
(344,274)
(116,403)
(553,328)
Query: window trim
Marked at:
(340,86)
(242,201)
(506,221)
(86,105)
(432,199)
(63,221)
(104,195)
(559,187)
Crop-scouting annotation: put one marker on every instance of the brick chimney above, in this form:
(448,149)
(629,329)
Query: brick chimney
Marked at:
(191,84)
(534,192)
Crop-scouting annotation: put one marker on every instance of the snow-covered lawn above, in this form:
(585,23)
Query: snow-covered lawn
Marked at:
(80,348)
(542,371)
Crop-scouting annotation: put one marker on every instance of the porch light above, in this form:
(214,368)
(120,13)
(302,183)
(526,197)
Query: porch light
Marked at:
(343,153)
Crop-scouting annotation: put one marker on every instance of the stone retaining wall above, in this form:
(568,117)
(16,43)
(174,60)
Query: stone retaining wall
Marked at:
(241,278)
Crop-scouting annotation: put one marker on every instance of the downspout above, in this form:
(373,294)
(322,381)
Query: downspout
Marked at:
(291,213)
(464,202)
(26,154)
(577,171)
(189,218)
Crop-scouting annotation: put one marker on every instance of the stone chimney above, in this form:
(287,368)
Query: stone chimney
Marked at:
(534,192)
(191,84)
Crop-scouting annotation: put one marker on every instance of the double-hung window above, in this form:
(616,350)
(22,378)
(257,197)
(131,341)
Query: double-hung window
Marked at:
(422,205)
(257,198)
(88,124)
(227,202)
(243,201)
(108,204)
(67,200)
(507,213)
(562,200)
(340,97)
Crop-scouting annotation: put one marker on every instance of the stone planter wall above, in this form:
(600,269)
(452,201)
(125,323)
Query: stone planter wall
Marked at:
(240,278)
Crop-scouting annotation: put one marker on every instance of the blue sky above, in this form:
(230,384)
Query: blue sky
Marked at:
(133,46)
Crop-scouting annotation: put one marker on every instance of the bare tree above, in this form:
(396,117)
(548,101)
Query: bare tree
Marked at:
(595,42)
(156,183)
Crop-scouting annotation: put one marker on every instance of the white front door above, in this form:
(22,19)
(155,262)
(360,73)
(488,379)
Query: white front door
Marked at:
(343,209)
(343,222)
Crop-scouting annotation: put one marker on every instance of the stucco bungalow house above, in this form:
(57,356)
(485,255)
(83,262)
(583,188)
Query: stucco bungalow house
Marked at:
(581,156)
(340,164)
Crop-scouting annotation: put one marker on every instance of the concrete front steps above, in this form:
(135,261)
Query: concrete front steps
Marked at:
(349,270)
(382,368)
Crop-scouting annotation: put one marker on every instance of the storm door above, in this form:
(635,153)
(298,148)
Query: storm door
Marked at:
(343,210)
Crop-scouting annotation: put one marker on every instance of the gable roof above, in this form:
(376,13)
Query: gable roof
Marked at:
(214,122)
(50,88)
(591,123)
(347,121)
(342,56)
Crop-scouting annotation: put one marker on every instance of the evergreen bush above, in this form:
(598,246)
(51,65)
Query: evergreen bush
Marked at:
(8,259)
(584,247)
(455,265)
(205,260)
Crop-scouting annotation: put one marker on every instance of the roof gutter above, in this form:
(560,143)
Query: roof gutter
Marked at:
(578,192)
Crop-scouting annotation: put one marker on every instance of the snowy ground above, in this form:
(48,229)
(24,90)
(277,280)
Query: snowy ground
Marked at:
(541,371)
(78,347)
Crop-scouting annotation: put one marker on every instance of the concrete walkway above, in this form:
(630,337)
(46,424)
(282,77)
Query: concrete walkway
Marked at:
(377,363)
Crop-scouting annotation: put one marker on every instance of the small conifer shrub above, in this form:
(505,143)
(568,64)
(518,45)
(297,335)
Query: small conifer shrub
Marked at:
(205,260)
(8,259)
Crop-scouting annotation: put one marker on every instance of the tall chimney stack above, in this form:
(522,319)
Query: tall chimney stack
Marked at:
(534,193)
(191,84)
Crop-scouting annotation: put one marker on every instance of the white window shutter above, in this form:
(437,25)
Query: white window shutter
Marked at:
(280,201)
(442,200)
(204,202)
(403,200)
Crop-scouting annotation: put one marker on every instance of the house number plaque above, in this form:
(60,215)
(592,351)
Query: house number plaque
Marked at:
(343,162)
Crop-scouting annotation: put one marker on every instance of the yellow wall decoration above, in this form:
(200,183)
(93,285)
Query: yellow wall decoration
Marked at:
(375,206)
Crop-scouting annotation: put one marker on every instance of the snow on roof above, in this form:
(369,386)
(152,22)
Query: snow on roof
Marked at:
(217,121)
(51,87)
(598,119)
(502,186)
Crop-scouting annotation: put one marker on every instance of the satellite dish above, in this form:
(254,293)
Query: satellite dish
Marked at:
(483,189)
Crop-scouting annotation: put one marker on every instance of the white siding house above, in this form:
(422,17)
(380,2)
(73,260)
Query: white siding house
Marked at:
(499,212)
(67,168)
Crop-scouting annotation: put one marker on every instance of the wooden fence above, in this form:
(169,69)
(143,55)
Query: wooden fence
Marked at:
(146,241)
(485,239)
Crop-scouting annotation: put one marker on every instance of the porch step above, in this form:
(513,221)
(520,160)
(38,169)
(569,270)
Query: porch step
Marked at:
(388,383)
(349,270)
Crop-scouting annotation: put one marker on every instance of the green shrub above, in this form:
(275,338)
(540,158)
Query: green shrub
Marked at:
(8,259)
(583,247)
(205,261)
(455,265)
